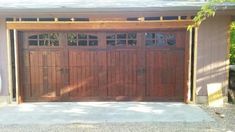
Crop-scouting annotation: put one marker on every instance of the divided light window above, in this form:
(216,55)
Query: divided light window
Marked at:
(160,39)
(82,39)
(121,39)
(44,39)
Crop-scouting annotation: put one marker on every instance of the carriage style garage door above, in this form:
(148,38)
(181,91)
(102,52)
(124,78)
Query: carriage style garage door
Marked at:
(128,65)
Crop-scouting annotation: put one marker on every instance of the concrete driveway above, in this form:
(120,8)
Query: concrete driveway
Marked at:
(100,112)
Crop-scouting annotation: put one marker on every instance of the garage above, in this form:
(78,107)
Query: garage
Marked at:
(139,65)
(116,50)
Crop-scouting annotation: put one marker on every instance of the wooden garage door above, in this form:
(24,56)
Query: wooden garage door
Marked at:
(74,66)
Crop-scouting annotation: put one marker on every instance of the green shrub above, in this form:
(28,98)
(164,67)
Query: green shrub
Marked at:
(232,47)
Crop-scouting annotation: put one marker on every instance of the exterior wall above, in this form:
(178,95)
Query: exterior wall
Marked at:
(3,63)
(212,56)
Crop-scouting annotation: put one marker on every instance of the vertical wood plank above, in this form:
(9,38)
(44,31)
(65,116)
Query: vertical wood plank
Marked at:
(17,83)
(186,67)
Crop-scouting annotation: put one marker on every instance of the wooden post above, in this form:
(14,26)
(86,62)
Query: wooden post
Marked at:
(189,65)
(9,66)
(16,65)
(186,71)
(195,64)
(227,60)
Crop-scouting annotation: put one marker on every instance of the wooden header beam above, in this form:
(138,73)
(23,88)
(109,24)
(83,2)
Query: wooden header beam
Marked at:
(99,25)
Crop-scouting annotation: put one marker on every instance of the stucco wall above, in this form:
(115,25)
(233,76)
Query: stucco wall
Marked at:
(212,55)
(3,60)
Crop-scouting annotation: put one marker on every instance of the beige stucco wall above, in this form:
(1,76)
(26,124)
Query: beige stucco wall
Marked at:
(212,55)
(3,62)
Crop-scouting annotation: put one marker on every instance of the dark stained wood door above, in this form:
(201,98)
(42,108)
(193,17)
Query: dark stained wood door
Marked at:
(164,53)
(106,70)
(87,74)
(43,66)
(76,66)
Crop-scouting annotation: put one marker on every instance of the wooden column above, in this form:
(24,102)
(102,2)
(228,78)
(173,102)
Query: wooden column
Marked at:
(9,68)
(189,65)
(195,64)
(16,53)
(187,68)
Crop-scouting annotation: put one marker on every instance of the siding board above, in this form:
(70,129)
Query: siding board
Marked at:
(4,60)
(212,54)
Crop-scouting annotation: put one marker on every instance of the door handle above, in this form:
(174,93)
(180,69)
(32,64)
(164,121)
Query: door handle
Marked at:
(63,69)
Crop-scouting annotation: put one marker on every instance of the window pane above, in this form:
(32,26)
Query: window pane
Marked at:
(111,42)
(150,42)
(33,37)
(121,36)
(160,39)
(131,35)
(72,39)
(110,36)
(93,42)
(33,42)
(43,36)
(121,42)
(171,40)
(121,39)
(82,36)
(149,35)
(43,42)
(45,39)
(93,37)
(132,42)
(54,42)
(54,35)
(82,42)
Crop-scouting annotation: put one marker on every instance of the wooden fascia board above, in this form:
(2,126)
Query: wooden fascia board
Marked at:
(99,25)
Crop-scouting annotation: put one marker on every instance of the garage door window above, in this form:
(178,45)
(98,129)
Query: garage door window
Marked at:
(82,39)
(121,39)
(44,39)
(160,39)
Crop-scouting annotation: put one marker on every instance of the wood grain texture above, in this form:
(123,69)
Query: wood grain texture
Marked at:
(99,25)
(73,73)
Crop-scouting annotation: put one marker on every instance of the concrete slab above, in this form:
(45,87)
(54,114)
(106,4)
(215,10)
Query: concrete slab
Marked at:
(100,112)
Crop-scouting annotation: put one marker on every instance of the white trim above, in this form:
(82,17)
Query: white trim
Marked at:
(9,66)
(16,64)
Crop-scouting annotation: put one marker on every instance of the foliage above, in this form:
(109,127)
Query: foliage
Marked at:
(208,10)
(232,46)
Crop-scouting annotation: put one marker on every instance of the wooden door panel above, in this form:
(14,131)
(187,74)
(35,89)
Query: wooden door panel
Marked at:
(35,58)
(102,81)
(75,72)
(180,78)
(87,73)
(164,73)
(45,73)
(122,68)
